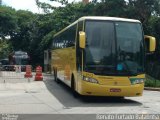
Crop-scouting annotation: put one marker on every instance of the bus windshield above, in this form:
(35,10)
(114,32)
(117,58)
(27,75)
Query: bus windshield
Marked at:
(114,48)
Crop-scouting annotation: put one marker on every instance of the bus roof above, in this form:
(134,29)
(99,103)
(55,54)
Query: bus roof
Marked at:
(107,18)
(98,18)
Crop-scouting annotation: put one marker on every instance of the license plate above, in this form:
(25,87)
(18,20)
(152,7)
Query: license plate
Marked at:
(115,90)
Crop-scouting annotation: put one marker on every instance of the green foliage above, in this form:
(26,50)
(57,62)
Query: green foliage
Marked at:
(111,8)
(23,34)
(34,32)
(61,1)
(154,29)
(47,41)
(5,48)
(42,25)
(151,82)
(46,7)
(8,21)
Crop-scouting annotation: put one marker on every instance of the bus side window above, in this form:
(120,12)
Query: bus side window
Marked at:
(56,42)
(71,33)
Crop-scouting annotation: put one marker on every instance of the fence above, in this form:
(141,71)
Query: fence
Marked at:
(13,73)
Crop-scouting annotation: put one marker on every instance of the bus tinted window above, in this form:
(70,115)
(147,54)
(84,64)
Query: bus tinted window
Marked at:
(100,46)
(65,39)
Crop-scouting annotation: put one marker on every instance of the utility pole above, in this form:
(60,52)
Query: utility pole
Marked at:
(85,1)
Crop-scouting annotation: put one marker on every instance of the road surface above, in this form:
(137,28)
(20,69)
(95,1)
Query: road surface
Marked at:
(48,97)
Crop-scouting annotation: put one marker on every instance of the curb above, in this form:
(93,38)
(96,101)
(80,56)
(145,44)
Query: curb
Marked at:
(151,89)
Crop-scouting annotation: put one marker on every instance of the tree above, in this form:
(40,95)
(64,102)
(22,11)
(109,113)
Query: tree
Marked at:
(154,29)
(22,38)
(114,8)
(34,32)
(5,48)
(8,21)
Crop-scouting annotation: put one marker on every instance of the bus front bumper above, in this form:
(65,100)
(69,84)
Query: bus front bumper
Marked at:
(92,89)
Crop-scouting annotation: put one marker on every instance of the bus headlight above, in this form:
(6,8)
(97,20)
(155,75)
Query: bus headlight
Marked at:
(137,80)
(88,79)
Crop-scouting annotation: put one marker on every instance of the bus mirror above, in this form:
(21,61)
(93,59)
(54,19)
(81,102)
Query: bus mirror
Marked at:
(82,39)
(150,43)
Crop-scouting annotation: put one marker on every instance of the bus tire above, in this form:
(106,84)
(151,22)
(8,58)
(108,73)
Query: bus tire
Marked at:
(55,76)
(73,87)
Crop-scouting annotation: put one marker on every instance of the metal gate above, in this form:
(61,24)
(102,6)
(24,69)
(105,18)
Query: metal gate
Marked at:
(13,74)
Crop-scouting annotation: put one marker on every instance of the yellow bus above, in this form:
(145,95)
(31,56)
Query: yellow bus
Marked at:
(101,56)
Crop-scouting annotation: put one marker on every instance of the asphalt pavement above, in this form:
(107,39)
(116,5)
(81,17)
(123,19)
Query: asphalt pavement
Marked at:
(47,97)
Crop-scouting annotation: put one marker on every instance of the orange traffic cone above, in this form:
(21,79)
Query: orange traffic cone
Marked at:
(38,76)
(28,73)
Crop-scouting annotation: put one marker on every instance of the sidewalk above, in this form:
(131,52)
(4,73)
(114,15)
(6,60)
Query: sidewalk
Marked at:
(152,88)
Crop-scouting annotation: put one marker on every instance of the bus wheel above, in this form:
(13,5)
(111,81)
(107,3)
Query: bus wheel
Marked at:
(73,87)
(55,76)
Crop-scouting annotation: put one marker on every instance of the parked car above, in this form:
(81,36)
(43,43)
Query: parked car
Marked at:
(5,64)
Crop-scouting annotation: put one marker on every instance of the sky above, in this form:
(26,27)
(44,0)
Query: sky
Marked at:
(29,5)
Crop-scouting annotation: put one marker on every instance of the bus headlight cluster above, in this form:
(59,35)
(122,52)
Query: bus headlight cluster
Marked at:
(138,81)
(88,79)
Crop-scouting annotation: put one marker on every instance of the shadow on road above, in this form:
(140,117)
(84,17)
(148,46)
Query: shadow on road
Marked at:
(64,94)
